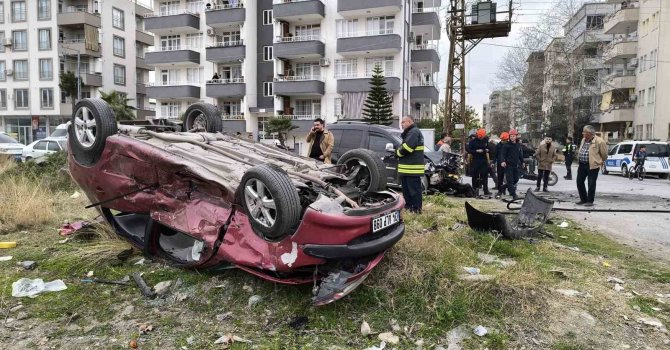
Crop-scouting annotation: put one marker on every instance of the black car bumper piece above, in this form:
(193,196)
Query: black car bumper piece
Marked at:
(357,250)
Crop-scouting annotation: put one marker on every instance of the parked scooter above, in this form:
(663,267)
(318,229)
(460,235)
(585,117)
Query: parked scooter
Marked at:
(525,174)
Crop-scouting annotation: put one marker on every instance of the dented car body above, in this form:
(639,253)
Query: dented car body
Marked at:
(205,200)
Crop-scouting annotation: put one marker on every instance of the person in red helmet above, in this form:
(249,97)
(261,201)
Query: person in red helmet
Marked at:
(500,171)
(479,150)
(511,159)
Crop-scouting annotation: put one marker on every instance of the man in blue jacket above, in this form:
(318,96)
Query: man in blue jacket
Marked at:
(511,158)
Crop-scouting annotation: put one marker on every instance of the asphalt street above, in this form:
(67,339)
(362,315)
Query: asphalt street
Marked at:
(648,232)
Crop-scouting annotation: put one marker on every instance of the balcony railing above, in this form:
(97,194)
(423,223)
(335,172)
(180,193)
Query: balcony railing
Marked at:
(386,73)
(232,4)
(424,9)
(422,83)
(172,13)
(424,46)
(173,83)
(227,116)
(226,81)
(227,43)
(172,48)
(278,2)
(76,8)
(300,116)
(356,33)
(297,78)
(297,38)
(624,6)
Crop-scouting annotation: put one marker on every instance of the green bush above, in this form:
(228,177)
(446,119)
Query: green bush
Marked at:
(48,172)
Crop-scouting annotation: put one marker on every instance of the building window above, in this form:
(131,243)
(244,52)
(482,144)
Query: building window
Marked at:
(170,109)
(2,12)
(170,42)
(309,70)
(20,40)
(3,98)
(649,135)
(652,95)
(308,107)
(47,98)
(168,8)
(119,46)
(193,41)
(44,36)
(267,89)
(43,9)
(346,68)
(594,22)
(21,70)
(3,77)
(21,98)
(346,28)
(2,40)
(267,17)
(118,19)
(338,107)
(267,53)
(386,63)
(119,74)
(379,25)
(18,11)
(46,69)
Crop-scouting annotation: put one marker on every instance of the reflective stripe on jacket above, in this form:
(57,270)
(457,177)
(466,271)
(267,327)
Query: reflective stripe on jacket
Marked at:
(410,152)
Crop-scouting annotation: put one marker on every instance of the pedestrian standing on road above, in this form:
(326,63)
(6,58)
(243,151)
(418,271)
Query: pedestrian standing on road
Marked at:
(493,152)
(500,171)
(511,159)
(321,141)
(569,153)
(411,165)
(546,156)
(592,154)
(479,149)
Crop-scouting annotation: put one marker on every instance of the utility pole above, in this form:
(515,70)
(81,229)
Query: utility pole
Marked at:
(78,75)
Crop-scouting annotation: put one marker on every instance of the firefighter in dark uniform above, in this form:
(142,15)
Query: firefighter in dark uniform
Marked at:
(411,165)
(569,153)
(479,149)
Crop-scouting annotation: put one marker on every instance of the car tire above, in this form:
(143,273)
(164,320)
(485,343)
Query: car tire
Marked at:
(92,122)
(553,179)
(624,170)
(373,163)
(662,176)
(271,201)
(203,117)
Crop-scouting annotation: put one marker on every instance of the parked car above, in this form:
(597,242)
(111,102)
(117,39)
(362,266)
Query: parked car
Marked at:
(43,147)
(60,132)
(10,147)
(620,158)
(202,199)
(383,140)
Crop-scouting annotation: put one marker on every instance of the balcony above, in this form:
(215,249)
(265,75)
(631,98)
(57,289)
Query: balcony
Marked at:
(306,46)
(621,51)
(424,92)
(173,55)
(426,21)
(172,22)
(71,47)
(141,63)
(174,90)
(298,10)
(593,63)
(623,21)
(359,8)
(229,51)
(232,124)
(222,16)
(77,17)
(91,79)
(144,38)
(618,114)
(425,54)
(141,88)
(616,82)
(356,83)
(226,88)
(143,7)
(299,85)
(374,42)
(144,113)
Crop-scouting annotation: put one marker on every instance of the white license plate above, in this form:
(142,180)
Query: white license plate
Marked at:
(385,221)
(652,166)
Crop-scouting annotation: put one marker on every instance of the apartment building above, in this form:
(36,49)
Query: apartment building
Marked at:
(556,78)
(585,40)
(43,38)
(533,84)
(299,59)
(486,117)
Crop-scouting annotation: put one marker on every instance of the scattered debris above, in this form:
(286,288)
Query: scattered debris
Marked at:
(224,316)
(75,195)
(389,338)
(493,259)
(247,288)
(656,308)
(28,264)
(253,300)
(142,285)
(161,288)
(636,308)
(563,237)
(419,343)
(456,336)
(16,308)
(298,322)
(563,224)
(6,258)
(70,228)
(190,340)
(476,278)
(394,325)
(480,331)
(654,322)
(133,344)
(576,249)
(472,270)
(559,273)
(574,293)
(139,262)
(63,241)
(7,245)
(636,293)
(26,287)
(618,287)
(229,339)
(128,310)
(365,329)
(381,346)
(145,328)
(89,274)
(606,264)
(615,280)
(457,226)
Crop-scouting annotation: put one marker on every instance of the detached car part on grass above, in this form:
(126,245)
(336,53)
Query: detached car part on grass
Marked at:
(530,220)
(203,199)
(443,175)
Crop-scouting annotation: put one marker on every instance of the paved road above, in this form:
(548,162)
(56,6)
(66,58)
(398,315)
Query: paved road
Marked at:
(649,232)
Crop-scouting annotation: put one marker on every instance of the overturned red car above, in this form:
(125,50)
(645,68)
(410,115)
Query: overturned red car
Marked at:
(203,199)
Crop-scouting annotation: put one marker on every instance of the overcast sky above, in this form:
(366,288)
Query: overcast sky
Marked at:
(481,63)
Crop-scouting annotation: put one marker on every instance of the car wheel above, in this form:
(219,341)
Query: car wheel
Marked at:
(553,179)
(92,122)
(271,201)
(369,167)
(29,159)
(203,117)
(663,176)
(624,170)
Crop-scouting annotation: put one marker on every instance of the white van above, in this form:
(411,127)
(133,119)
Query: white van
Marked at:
(60,132)
(620,158)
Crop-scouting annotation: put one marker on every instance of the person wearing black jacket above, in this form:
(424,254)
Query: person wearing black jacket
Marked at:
(500,171)
(492,148)
(569,154)
(411,164)
(511,158)
(479,149)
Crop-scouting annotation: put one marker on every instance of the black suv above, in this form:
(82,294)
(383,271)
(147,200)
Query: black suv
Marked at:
(351,135)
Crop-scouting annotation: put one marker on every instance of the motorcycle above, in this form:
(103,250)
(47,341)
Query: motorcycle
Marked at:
(525,174)
(443,174)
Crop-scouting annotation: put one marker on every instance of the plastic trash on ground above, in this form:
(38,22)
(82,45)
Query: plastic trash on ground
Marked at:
(26,287)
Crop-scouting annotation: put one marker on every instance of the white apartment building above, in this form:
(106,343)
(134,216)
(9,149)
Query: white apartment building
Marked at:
(300,59)
(42,38)
(556,77)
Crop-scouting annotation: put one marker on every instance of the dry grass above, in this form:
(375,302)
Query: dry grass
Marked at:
(6,163)
(24,203)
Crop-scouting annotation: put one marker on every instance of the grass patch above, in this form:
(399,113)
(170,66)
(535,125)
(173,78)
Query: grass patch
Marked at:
(24,203)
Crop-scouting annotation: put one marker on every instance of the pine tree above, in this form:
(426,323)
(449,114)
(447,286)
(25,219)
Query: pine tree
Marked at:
(378,107)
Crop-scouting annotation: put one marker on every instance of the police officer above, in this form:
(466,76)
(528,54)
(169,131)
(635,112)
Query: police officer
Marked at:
(569,153)
(411,165)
